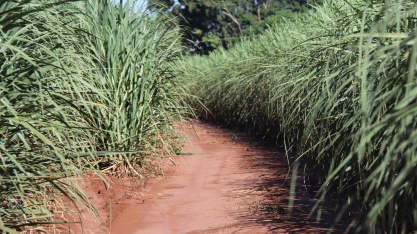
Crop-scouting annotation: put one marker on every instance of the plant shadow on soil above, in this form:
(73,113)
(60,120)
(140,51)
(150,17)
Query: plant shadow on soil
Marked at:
(272,188)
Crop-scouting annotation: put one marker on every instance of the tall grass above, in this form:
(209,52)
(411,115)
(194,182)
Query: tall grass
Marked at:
(134,56)
(79,81)
(42,127)
(337,86)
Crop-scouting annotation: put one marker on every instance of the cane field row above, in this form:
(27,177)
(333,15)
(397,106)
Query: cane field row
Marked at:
(85,86)
(93,86)
(338,87)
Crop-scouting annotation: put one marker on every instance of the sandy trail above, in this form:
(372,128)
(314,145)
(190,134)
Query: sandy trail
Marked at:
(216,187)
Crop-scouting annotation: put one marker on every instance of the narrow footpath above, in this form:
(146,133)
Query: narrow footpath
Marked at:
(225,182)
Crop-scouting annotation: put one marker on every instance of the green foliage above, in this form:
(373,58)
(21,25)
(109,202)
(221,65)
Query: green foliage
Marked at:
(214,41)
(134,58)
(228,20)
(43,111)
(79,81)
(337,86)
(198,32)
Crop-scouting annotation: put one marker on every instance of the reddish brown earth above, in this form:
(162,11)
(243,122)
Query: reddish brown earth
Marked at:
(215,187)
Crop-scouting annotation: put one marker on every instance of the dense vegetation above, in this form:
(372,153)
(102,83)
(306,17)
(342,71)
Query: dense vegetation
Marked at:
(84,86)
(219,24)
(93,86)
(338,86)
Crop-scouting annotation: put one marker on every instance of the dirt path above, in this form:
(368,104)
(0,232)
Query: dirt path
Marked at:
(218,186)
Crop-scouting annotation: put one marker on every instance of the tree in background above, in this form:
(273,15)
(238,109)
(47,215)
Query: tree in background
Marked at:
(212,24)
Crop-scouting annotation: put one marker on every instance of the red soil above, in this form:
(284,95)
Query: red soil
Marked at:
(214,188)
